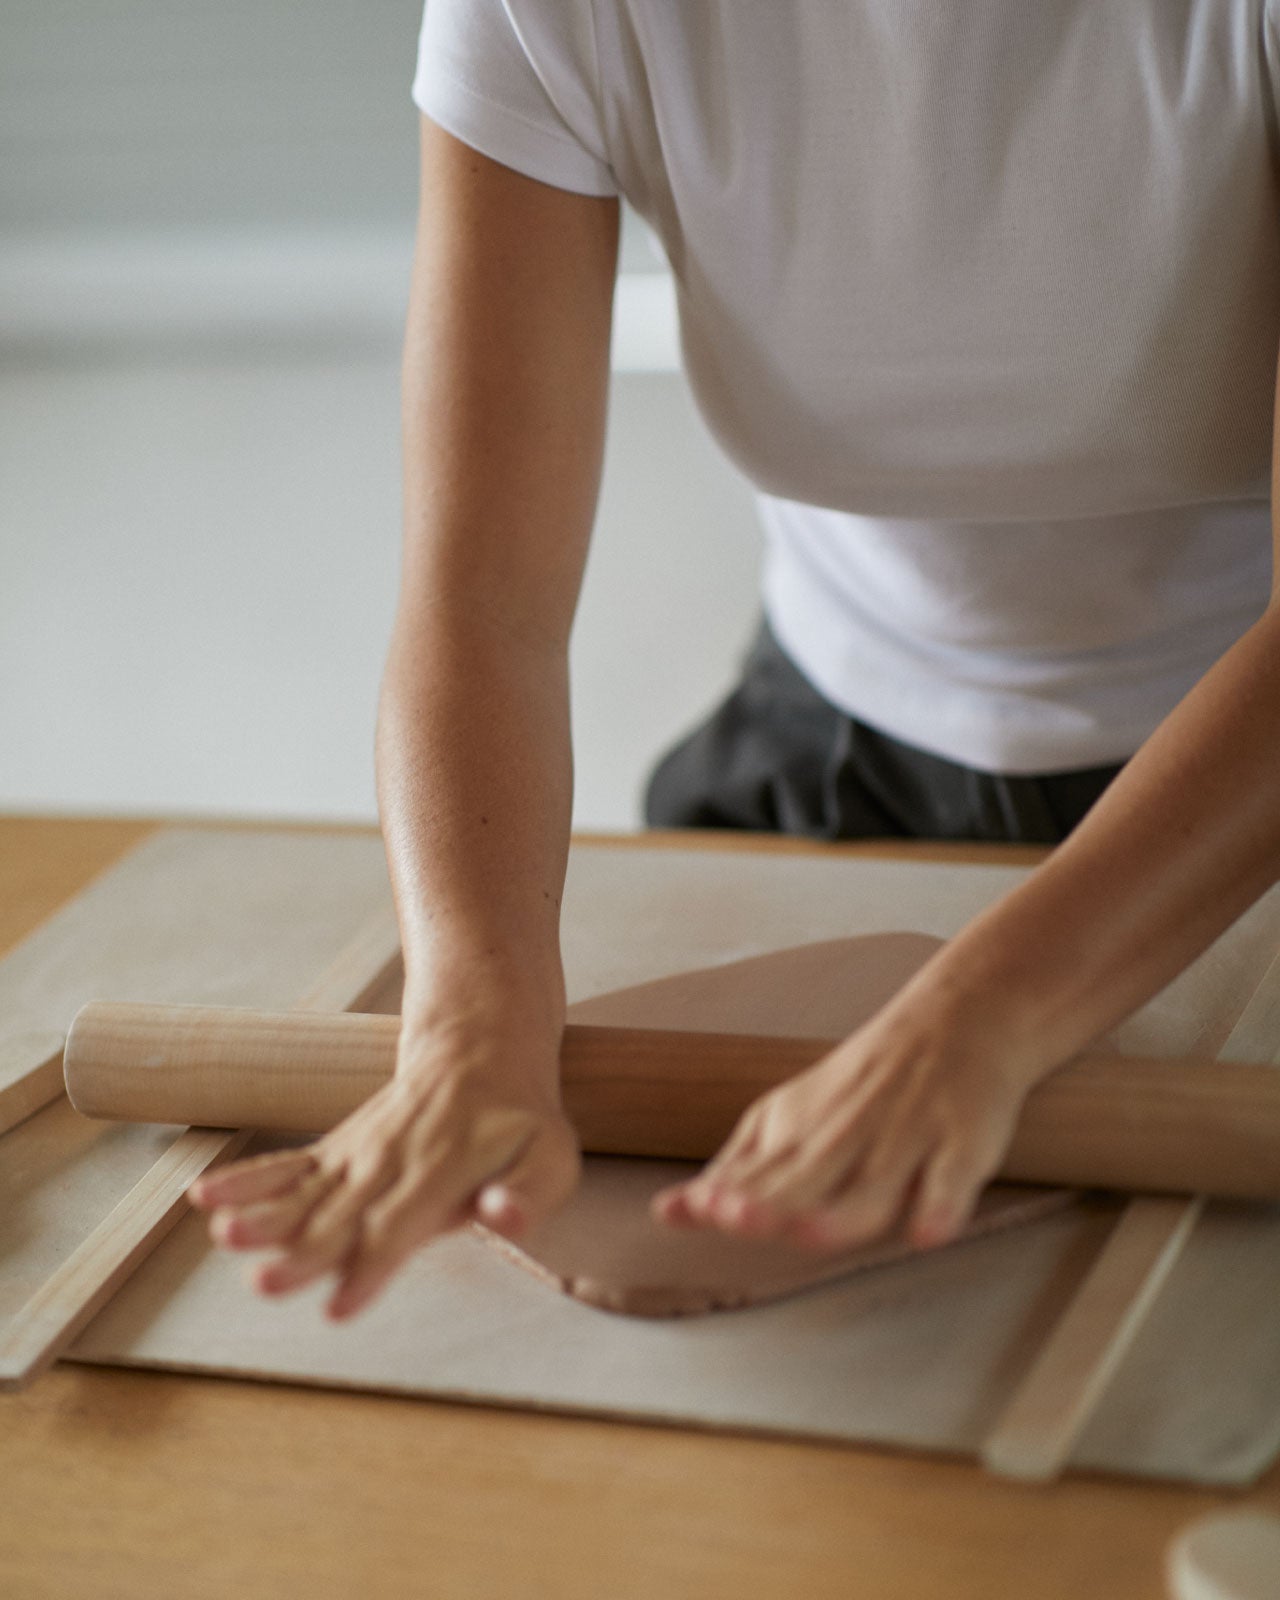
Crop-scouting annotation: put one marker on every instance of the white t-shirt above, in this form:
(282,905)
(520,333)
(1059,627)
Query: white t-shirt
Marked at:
(984,298)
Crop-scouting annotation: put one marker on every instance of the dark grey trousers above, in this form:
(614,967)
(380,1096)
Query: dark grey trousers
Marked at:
(778,758)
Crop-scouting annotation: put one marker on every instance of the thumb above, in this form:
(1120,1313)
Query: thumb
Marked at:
(536,1184)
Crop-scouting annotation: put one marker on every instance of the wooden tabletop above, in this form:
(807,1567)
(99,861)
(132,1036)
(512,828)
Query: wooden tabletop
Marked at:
(116,1483)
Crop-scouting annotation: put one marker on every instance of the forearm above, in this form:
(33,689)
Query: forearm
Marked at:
(1186,838)
(474,778)
(912,1114)
(505,377)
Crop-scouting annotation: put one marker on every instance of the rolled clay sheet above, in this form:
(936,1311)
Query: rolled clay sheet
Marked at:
(604,1248)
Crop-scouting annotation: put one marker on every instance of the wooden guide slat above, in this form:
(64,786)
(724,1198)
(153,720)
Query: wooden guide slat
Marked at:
(1034,1435)
(30,1075)
(83,1283)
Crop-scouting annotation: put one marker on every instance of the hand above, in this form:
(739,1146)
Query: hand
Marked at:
(905,1121)
(443,1143)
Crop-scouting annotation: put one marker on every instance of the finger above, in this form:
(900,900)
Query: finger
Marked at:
(866,1211)
(711,1207)
(741,1143)
(794,1123)
(745,1137)
(337,1216)
(381,1249)
(694,1204)
(259,1178)
(423,1201)
(725,1197)
(761,1204)
(846,1152)
(295,1269)
(949,1190)
(671,1206)
(727,1211)
(691,1204)
(530,1190)
(364,1278)
(712,1203)
(756,1193)
(270,1222)
(328,1237)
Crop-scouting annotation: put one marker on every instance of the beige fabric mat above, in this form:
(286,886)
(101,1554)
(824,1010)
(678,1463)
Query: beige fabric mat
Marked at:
(919,1354)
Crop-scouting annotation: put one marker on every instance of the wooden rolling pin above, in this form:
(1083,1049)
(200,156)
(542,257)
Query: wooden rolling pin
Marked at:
(1103,1121)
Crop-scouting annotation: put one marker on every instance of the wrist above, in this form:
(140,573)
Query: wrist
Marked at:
(972,1001)
(478,1020)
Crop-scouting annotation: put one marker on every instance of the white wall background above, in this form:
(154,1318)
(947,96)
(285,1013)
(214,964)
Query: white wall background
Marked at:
(200,301)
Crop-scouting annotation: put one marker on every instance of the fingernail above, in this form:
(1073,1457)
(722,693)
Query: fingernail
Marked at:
(500,1204)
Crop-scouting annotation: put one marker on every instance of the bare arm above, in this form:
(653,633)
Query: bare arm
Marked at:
(1184,840)
(504,385)
(913,1113)
(505,376)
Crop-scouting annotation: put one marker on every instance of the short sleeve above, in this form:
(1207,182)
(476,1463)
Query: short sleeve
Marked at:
(477,78)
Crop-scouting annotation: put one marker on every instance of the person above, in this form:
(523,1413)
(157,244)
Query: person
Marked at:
(985,299)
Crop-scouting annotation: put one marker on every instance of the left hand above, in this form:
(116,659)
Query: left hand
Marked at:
(903,1122)
(457,1134)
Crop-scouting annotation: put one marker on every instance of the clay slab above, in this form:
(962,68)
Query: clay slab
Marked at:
(605,1249)
(632,915)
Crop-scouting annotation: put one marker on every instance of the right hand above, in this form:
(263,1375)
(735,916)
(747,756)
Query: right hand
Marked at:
(454,1137)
